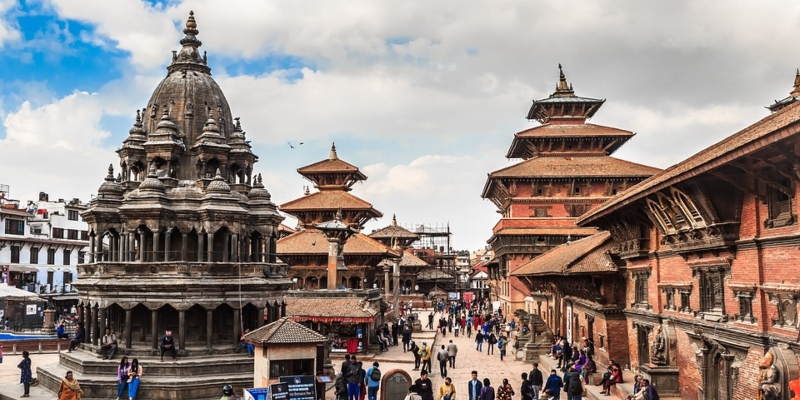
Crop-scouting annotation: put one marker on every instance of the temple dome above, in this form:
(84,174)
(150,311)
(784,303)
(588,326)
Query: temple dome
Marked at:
(218,185)
(190,92)
(152,183)
(258,191)
(110,187)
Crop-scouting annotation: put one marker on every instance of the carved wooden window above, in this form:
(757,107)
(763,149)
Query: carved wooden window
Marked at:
(640,288)
(712,299)
(540,212)
(689,209)
(787,310)
(673,211)
(779,205)
(745,300)
(669,299)
(686,305)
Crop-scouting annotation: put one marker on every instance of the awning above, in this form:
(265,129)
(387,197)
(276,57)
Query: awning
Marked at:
(10,292)
(22,268)
(73,296)
(328,320)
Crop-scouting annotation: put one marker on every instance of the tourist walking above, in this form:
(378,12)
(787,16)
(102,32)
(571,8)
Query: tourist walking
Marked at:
(135,373)
(575,386)
(353,388)
(474,387)
(69,389)
(525,388)
(424,386)
(122,376)
(373,381)
(406,338)
(491,342)
(501,345)
(340,387)
(505,391)
(443,357)
(452,352)
(25,375)
(479,341)
(78,338)
(447,391)
(412,393)
(537,380)
(109,347)
(415,351)
(425,354)
(487,393)
(554,384)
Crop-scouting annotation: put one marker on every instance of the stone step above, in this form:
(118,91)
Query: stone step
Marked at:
(152,385)
(87,363)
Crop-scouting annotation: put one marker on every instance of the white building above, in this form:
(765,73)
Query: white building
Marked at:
(41,244)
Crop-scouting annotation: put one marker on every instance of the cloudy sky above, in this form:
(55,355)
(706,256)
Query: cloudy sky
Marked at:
(424,96)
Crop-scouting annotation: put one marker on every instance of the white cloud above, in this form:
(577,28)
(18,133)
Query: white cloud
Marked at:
(9,32)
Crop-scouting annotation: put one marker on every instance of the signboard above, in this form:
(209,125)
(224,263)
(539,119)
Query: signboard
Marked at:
(30,309)
(301,387)
(256,394)
(452,296)
(280,391)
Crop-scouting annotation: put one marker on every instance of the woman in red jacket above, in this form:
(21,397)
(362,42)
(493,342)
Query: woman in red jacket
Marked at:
(616,377)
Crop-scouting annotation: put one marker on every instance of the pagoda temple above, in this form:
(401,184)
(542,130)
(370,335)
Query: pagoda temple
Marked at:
(566,170)
(181,240)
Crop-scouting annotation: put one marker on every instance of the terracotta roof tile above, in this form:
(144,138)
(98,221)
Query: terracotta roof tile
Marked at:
(330,166)
(744,142)
(328,307)
(576,231)
(570,130)
(581,256)
(312,241)
(328,200)
(408,260)
(393,231)
(567,167)
(433,274)
(284,331)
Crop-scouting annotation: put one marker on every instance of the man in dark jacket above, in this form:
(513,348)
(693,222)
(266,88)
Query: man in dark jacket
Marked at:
(525,389)
(353,388)
(574,384)
(424,386)
(415,350)
(406,338)
(474,387)
(537,380)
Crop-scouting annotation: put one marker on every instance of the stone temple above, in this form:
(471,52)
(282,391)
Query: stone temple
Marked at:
(183,238)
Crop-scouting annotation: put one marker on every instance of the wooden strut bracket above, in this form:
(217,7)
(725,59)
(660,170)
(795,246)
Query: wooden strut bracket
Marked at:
(769,181)
(739,185)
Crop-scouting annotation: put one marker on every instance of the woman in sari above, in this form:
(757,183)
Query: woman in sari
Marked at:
(70,389)
(134,373)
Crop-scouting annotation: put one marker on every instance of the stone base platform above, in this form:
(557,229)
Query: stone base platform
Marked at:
(188,378)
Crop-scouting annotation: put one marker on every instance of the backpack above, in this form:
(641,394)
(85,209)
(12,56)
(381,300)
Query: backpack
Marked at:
(527,390)
(423,352)
(500,343)
(375,375)
(575,384)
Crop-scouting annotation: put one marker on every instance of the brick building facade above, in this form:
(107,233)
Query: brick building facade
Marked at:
(702,262)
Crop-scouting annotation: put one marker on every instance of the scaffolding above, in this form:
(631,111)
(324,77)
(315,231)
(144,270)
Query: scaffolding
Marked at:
(433,247)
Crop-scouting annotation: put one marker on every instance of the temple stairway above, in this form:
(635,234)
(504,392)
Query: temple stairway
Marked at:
(199,376)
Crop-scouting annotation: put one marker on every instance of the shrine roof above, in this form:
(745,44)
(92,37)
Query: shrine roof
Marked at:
(393,231)
(328,200)
(284,331)
(313,242)
(587,255)
(407,260)
(433,274)
(329,309)
(575,131)
(568,167)
(768,131)
(330,166)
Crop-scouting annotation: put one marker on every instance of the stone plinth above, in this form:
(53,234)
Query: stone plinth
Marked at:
(533,350)
(663,378)
(49,325)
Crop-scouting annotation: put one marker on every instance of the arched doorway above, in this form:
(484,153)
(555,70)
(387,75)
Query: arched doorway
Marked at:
(250,316)
(168,320)
(140,326)
(223,325)
(196,325)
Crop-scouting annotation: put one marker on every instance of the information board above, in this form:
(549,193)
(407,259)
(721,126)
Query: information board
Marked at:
(280,391)
(256,394)
(301,387)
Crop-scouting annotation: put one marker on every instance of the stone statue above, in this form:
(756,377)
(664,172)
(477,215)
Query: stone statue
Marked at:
(769,387)
(658,347)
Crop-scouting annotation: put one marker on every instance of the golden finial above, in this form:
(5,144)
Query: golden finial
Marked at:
(191,23)
(796,91)
(333,155)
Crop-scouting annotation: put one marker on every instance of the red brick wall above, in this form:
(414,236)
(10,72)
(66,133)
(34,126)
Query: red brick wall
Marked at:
(617,341)
(688,375)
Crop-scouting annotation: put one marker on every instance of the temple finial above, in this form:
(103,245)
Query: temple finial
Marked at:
(338,215)
(306,191)
(110,176)
(796,91)
(394,220)
(333,155)
(562,87)
(191,25)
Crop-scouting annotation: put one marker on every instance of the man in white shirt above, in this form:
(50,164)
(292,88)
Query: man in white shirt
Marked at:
(109,345)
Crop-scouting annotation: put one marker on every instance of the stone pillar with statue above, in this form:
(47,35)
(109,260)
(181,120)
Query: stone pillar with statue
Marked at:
(662,370)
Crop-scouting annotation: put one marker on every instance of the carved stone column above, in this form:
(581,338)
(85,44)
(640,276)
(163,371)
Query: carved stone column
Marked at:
(95,325)
(129,256)
(91,248)
(154,328)
(128,334)
(167,245)
(386,270)
(156,238)
(142,244)
(209,328)
(182,329)
(210,247)
(236,333)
